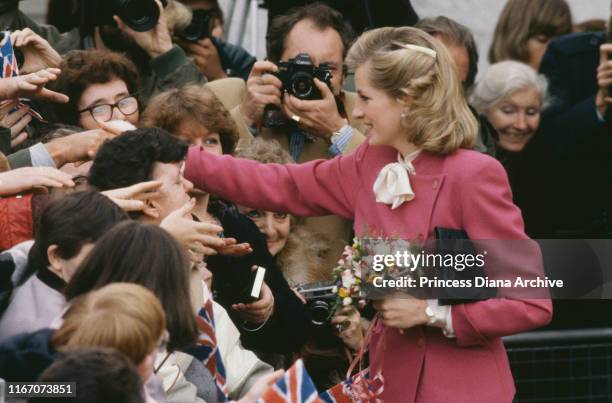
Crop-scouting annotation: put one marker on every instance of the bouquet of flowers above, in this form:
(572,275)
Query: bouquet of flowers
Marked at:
(348,277)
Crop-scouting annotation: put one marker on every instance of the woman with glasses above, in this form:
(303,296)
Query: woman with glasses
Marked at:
(102,86)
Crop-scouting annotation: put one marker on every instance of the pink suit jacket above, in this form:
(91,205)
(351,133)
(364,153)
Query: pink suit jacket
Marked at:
(465,190)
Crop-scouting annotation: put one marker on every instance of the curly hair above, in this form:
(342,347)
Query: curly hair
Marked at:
(168,110)
(82,68)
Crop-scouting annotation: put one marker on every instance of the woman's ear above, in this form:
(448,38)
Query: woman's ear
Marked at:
(56,263)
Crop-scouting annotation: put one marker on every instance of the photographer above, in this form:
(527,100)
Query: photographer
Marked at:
(203,41)
(160,63)
(309,129)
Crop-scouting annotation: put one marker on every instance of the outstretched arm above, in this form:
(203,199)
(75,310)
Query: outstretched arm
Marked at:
(315,188)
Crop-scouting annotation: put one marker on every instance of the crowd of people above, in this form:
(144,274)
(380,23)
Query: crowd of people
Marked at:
(147,174)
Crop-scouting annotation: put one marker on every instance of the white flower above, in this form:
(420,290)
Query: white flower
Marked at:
(347,301)
(335,289)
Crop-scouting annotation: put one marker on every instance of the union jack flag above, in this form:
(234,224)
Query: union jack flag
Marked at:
(295,386)
(207,349)
(351,390)
(10,68)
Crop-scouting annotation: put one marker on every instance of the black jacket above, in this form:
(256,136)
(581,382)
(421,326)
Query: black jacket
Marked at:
(289,326)
(25,356)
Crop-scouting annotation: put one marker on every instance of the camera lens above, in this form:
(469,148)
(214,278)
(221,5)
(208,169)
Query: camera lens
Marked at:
(302,85)
(140,15)
(199,27)
(320,312)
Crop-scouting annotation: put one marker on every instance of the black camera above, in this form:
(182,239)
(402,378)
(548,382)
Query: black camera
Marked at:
(140,15)
(320,299)
(200,27)
(298,74)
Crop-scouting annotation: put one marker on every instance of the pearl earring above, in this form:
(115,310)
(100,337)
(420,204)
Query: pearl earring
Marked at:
(403,114)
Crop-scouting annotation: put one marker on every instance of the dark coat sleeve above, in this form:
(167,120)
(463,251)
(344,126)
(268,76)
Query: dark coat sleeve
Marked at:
(288,328)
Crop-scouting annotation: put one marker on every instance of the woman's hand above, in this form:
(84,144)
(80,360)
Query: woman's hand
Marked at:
(348,324)
(402,313)
(604,79)
(132,198)
(23,179)
(258,311)
(37,52)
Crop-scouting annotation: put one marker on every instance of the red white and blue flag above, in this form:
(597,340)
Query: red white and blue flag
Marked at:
(207,349)
(295,386)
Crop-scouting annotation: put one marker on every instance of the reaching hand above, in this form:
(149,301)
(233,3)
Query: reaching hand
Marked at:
(198,237)
(260,386)
(132,198)
(38,53)
(156,41)
(16,121)
(32,86)
(23,179)
(77,147)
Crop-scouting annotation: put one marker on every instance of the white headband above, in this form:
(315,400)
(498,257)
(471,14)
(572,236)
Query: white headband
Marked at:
(422,49)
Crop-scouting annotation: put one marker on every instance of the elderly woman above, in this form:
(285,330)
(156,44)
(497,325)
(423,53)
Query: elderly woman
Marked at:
(526,27)
(511,96)
(420,130)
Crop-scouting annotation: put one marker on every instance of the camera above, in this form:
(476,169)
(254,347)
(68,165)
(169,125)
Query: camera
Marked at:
(140,15)
(320,299)
(200,27)
(298,74)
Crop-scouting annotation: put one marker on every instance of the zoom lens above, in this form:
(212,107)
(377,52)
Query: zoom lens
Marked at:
(320,312)
(302,85)
(140,15)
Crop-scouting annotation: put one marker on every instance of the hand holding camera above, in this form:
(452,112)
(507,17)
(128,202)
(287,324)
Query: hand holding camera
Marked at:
(154,40)
(318,117)
(263,88)
(206,56)
(37,52)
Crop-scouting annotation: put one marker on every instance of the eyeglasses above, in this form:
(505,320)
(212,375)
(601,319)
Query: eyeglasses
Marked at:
(104,112)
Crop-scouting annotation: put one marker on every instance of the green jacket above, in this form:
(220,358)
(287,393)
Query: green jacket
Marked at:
(171,70)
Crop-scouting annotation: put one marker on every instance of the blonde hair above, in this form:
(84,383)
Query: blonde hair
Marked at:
(264,151)
(124,316)
(439,119)
(521,20)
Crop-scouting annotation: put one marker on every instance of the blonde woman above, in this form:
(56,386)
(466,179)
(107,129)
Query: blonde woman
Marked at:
(415,173)
(526,27)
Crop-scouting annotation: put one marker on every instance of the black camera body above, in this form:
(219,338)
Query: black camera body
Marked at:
(320,300)
(140,15)
(298,74)
(200,27)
